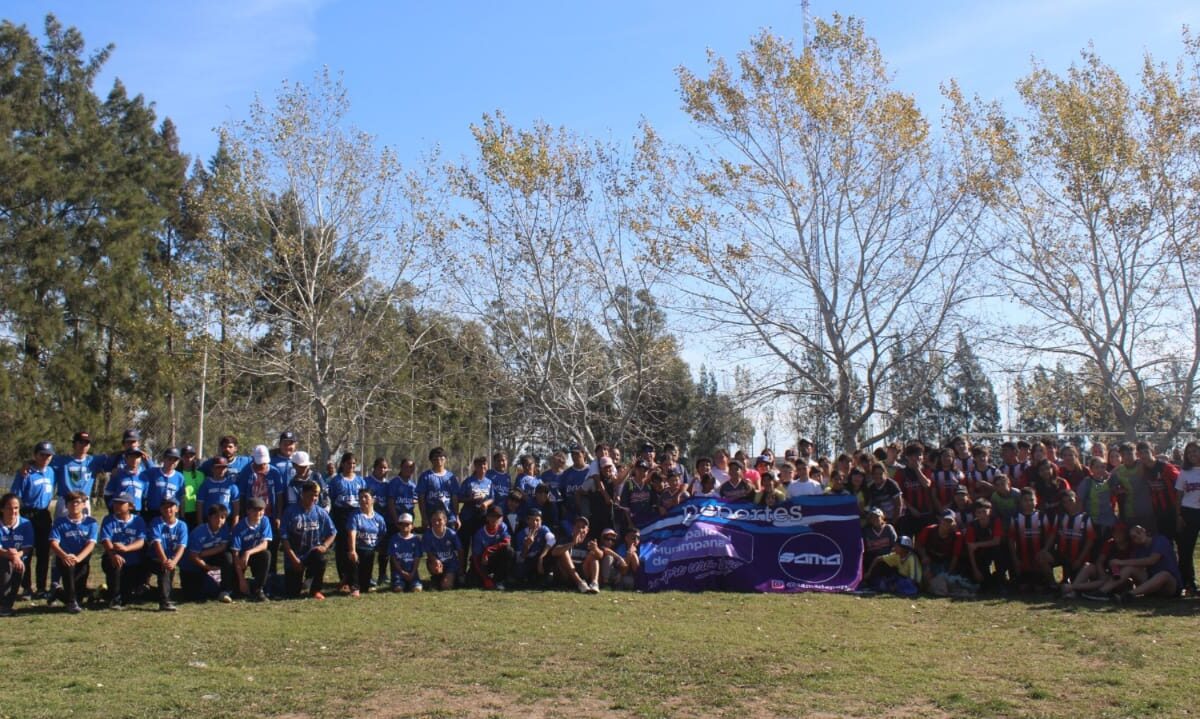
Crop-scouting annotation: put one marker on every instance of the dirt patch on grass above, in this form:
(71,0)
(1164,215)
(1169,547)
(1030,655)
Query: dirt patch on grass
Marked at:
(469,702)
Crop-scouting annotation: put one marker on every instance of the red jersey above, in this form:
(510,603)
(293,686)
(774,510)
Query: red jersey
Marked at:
(1161,480)
(1109,551)
(945,482)
(977,475)
(1071,534)
(1030,534)
(918,499)
(1016,474)
(937,547)
(980,533)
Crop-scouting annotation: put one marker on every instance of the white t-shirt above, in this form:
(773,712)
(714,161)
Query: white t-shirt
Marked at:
(804,488)
(1188,486)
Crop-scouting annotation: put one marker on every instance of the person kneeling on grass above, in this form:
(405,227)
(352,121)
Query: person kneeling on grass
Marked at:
(168,542)
(123,535)
(1094,575)
(616,572)
(366,528)
(72,540)
(898,572)
(209,554)
(534,542)
(252,549)
(308,533)
(579,559)
(405,553)
(492,554)
(441,548)
(1153,571)
(16,546)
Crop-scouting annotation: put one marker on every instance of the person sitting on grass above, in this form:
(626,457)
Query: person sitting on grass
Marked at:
(579,559)
(898,572)
(16,546)
(534,542)
(251,549)
(308,533)
(442,549)
(405,553)
(628,551)
(168,542)
(1094,575)
(1073,539)
(72,539)
(491,550)
(1153,571)
(939,547)
(878,537)
(208,552)
(123,535)
(366,528)
(614,569)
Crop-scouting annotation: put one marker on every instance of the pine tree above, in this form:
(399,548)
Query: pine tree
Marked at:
(971,405)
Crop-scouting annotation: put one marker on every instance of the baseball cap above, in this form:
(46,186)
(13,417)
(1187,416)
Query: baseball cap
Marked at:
(170,499)
(906,542)
(647,447)
(574,448)
(876,511)
(256,503)
(84,437)
(131,452)
(172,453)
(43,448)
(131,434)
(961,490)
(287,437)
(494,511)
(736,463)
(804,440)
(405,518)
(610,532)
(604,462)
(642,464)
(187,449)
(790,454)
(762,459)
(123,498)
(949,514)
(300,459)
(535,512)
(220,461)
(261,454)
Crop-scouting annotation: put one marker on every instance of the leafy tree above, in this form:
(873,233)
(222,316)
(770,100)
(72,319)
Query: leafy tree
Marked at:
(971,399)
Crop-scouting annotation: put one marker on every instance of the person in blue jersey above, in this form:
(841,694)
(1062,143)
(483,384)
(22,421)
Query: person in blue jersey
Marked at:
(552,478)
(378,482)
(534,542)
(571,486)
(366,533)
(628,552)
(527,479)
(492,554)
(128,479)
(302,474)
(76,472)
(281,457)
(34,486)
(638,497)
(308,533)
(404,550)
(168,540)
(543,501)
(579,559)
(252,540)
(437,489)
(501,481)
(16,544)
(123,536)
(402,493)
(441,548)
(475,497)
(220,487)
(163,481)
(227,449)
(514,511)
(209,553)
(261,480)
(72,540)
(343,497)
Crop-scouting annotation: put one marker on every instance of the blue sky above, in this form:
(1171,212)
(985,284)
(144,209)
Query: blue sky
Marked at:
(420,73)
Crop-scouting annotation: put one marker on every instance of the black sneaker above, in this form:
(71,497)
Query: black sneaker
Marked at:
(1125,598)
(261,597)
(7,611)
(116,605)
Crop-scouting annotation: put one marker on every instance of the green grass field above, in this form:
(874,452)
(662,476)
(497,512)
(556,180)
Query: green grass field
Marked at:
(557,654)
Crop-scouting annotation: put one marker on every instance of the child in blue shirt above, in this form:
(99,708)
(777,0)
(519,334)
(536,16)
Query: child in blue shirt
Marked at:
(208,553)
(123,535)
(405,552)
(16,544)
(72,540)
(168,539)
(251,549)
(441,548)
(365,531)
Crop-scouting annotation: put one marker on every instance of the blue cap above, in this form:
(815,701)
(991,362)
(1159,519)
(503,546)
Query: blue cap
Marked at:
(43,448)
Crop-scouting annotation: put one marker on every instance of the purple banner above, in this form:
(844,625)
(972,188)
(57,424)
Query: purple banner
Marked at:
(809,544)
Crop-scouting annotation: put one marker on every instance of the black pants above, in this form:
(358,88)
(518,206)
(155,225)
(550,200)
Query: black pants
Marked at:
(10,582)
(41,546)
(121,580)
(194,583)
(257,565)
(312,566)
(993,565)
(362,570)
(346,572)
(1187,544)
(383,560)
(74,580)
(165,579)
(497,565)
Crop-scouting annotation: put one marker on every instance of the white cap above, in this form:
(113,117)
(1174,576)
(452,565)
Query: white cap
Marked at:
(261,454)
(604,462)
(405,518)
(300,459)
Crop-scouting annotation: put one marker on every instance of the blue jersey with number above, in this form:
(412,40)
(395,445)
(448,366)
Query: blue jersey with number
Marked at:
(306,529)
(247,536)
(484,538)
(405,550)
(76,475)
(170,536)
(445,548)
(159,485)
(73,536)
(35,487)
(124,531)
(224,493)
(501,485)
(202,538)
(404,492)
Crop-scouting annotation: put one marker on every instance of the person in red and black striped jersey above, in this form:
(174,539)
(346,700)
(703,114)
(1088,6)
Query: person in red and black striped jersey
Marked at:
(983,543)
(1073,540)
(1050,488)
(940,546)
(917,491)
(1011,465)
(981,477)
(946,479)
(1029,532)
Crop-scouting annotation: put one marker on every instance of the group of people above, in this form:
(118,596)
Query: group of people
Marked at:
(946,520)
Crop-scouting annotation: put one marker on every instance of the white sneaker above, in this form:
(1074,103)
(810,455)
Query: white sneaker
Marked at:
(225,598)
(584,587)
(593,588)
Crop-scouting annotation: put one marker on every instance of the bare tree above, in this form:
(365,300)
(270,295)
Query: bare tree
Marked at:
(819,221)
(327,241)
(1093,200)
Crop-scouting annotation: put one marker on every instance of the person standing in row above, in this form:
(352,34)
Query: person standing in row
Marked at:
(34,487)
